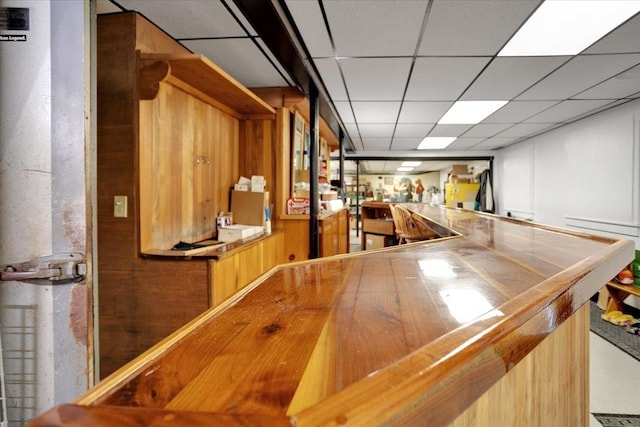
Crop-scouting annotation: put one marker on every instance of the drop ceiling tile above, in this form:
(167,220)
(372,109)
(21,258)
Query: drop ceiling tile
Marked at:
(517,111)
(309,21)
(486,130)
(381,130)
(523,130)
(472,27)
(423,111)
(495,143)
(579,74)
(404,130)
(376,112)
(506,77)
(196,18)
(240,58)
(464,143)
(566,110)
(370,143)
(449,130)
(344,110)
(382,28)
(331,77)
(623,39)
(442,79)
(375,79)
(410,143)
(622,86)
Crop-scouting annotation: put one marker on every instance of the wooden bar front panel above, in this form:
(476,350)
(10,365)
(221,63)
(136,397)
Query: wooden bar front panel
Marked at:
(410,335)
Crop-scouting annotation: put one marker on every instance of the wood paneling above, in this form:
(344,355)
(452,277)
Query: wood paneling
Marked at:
(178,160)
(175,158)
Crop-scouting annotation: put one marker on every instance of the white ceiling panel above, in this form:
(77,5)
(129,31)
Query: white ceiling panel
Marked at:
(472,27)
(486,130)
(379,130)
(522,130)
(579,74)
(622,40)
(517,111)
(376,112)
(493,143)
(372,143)
(614,88)
(423,111)
(344,109)
(566,110)
(332,79)
(375,79)
(449,130)
(239,58)
(404,130)
(464,143)
(443,79)
(197,18)
(406,143)
(505,77)
(308,16)
(381,28)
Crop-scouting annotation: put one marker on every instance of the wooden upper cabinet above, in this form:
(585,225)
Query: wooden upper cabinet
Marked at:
(190,112)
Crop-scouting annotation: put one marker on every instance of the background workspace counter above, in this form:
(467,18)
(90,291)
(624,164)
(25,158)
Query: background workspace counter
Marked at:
(488,327)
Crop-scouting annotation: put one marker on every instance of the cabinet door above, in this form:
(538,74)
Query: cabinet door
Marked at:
(343,232)
(223,278)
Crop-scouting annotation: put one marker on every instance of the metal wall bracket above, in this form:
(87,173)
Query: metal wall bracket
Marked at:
(52,269)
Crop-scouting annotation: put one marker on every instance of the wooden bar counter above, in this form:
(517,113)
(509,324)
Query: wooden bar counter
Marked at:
(487,327)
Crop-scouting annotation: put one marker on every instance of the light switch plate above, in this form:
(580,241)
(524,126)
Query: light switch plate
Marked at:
(120,206)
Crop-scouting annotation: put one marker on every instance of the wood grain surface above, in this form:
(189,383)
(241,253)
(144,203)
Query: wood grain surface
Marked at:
(410,335)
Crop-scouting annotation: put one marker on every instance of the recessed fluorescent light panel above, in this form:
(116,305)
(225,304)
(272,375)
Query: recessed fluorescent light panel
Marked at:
(470,112)
(436,142)
(567,27)
(404,169)
(411,164)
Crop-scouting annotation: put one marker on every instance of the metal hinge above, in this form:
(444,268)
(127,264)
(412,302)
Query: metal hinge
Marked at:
(59,268)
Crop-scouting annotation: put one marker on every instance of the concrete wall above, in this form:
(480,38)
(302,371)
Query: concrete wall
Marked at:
(42,204)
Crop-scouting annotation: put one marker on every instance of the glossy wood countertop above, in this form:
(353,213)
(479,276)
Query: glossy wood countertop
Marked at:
(378,337)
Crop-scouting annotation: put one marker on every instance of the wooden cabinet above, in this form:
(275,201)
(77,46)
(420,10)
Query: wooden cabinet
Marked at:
(173,135)
(334,234)
(232,272)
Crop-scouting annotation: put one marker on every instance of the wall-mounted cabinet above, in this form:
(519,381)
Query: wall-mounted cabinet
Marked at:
(189,116)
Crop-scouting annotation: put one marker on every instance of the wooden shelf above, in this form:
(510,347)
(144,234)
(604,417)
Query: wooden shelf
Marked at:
(200,77)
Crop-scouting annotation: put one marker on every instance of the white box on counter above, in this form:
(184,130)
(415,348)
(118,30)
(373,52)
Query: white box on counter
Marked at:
(237,232)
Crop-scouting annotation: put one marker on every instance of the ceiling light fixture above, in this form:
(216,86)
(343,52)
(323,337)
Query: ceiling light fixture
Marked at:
(470,112)
(436,142)
(404,169)
(567,27)
(410,164)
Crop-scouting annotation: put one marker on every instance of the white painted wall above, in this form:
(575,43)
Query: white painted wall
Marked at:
(584,176)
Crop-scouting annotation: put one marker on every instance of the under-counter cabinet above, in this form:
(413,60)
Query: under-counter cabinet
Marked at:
(174,133)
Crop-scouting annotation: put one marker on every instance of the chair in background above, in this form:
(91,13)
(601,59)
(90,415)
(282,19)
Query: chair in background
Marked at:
(410,227)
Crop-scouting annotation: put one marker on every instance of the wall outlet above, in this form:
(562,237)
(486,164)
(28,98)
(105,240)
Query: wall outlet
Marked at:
(120,206)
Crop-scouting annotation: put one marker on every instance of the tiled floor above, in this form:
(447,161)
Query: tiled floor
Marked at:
(615,376)
(615,380)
